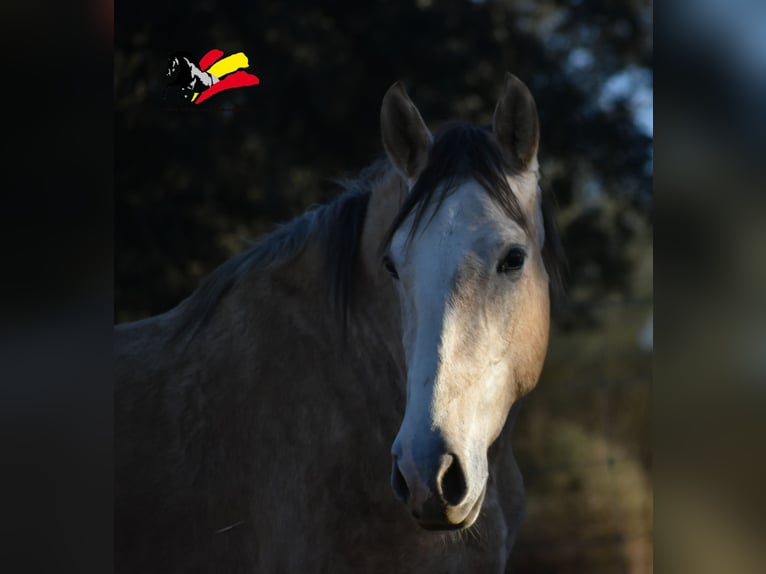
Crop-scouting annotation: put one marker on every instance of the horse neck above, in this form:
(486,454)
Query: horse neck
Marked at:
(300,285)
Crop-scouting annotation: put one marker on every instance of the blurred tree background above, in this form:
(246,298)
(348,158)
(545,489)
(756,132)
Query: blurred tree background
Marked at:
(195,185)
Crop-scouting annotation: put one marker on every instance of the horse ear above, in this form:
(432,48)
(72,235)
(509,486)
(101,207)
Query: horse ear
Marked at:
(406,138)
(516,124)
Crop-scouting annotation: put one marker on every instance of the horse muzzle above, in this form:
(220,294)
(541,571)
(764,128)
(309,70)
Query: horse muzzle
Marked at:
(438,517)
(436,489)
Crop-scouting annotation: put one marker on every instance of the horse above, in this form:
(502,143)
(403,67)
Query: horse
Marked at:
(340,396)
(183,72)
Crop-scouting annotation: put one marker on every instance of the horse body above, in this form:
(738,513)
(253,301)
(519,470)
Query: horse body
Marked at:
(259,438)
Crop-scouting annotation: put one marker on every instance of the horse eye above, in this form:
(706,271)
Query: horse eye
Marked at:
(389,265)
(513,261)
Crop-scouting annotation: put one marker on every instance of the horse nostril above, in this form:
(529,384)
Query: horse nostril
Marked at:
(451,481)
(398,483)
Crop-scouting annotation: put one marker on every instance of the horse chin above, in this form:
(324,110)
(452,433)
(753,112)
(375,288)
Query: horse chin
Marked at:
(467,522)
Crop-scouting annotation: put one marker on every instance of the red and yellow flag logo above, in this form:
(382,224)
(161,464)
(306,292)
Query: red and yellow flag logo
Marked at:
(212,75)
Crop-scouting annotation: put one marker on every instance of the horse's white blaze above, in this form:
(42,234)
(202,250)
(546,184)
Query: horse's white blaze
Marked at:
(456,311)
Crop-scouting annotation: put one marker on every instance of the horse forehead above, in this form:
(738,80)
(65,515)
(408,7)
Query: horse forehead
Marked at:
(466,208)
(466,216)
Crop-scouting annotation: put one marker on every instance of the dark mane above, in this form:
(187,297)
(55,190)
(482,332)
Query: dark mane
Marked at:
(337,227)
(463,151)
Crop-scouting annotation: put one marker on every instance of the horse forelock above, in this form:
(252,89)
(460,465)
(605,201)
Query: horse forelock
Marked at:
(460,152)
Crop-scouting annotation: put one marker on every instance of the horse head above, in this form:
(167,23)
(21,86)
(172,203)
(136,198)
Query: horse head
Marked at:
(465,256)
